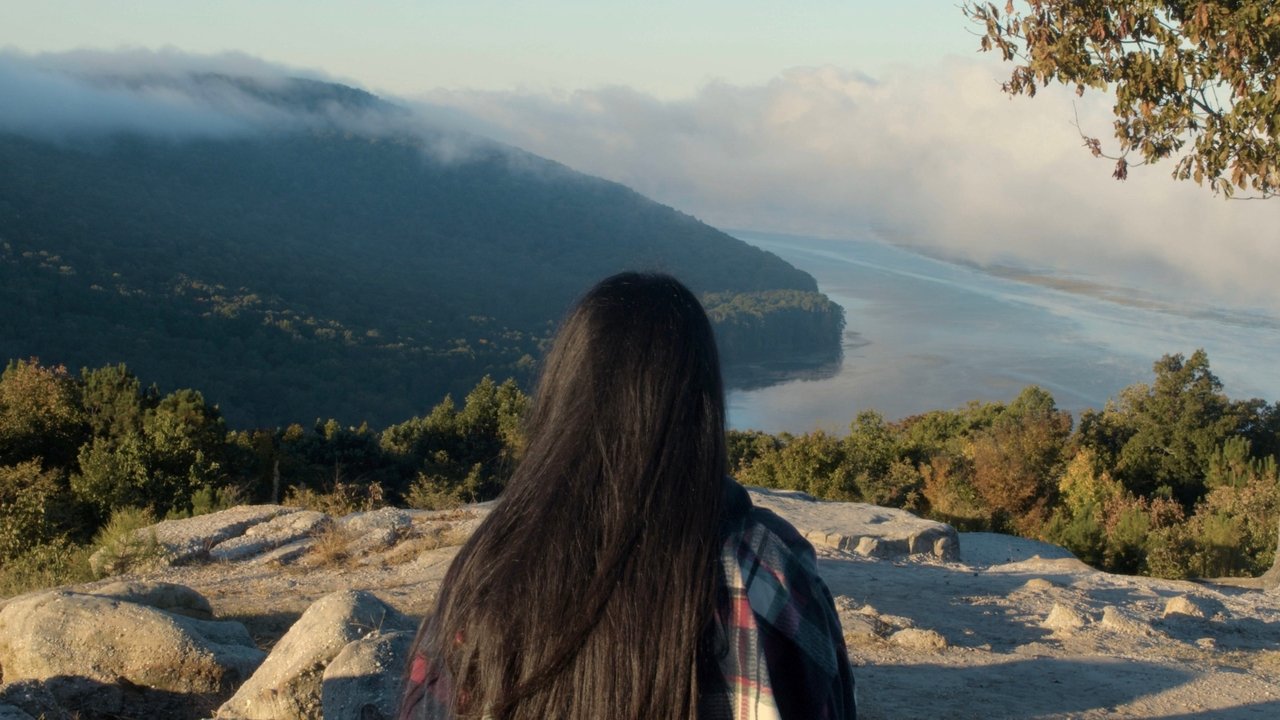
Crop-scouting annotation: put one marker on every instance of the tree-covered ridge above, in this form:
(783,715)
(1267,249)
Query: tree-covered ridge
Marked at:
(1171,479)
(775,325)
(270,269)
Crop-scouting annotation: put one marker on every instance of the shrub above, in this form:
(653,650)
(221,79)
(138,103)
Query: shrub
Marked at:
(54,563)
(32,503)
(428,492)
(209,499)
(948,487)
(1080,532)
(342,499)
(126,543)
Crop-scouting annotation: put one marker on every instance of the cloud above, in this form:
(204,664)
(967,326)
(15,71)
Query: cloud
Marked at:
(89,94)
(936,157)
(46,98)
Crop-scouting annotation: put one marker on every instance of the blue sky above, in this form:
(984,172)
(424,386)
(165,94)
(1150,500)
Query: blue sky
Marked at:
(667,48)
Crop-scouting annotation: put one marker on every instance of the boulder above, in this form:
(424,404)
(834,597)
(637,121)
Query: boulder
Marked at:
(984,549)
(1119,621)
(121,657)
(289,683)
(285,554)
(363,681)
(864,529)
(376,530)
(387,518)
(170,597)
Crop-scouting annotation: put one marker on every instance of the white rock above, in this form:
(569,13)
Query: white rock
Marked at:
(982,549)
(289,682)
(1116,620)
(276,532)
(918,639)
(860,629)
(387,518)
(190,539)
(1063,618)
(1184,605)
(868,530)
(170,597)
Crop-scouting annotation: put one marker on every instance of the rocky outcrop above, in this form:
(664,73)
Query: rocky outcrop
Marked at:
(290,683)
(189,539)
(104,655)
(280,530)
(867,530)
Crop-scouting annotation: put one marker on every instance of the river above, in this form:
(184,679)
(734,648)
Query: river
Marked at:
(924,333)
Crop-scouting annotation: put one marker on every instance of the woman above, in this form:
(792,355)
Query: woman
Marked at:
(622,575)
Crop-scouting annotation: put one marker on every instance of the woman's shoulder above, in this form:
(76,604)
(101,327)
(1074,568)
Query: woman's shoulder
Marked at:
(762,536)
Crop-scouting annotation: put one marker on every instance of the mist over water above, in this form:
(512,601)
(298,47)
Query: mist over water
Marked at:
(925,334)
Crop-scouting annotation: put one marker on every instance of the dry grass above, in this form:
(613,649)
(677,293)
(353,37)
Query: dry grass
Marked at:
(331,547)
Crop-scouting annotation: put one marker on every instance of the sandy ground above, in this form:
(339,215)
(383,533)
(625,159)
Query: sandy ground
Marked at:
(996,654)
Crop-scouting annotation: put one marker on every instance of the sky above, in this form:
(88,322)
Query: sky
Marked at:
(838,119)
(667,48)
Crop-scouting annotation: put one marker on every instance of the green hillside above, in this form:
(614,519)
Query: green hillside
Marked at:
(314,271)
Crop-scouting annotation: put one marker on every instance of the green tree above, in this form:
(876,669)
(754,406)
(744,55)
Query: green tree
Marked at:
(814,463)
(40,414)
(1193,80)
(114,401)
(466,453)
(873,457)
(179,448)
(1172,428)
(745,446)
(33,505)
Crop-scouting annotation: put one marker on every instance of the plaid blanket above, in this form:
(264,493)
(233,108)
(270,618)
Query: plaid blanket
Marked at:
(780,648)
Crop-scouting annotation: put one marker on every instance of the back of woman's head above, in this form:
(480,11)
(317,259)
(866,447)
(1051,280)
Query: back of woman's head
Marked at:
(585,593)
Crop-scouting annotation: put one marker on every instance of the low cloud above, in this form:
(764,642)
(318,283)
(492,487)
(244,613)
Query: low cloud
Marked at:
(52,97)
(935,157)
(89,94)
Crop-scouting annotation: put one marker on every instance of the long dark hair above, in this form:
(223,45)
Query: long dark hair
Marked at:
(586,591)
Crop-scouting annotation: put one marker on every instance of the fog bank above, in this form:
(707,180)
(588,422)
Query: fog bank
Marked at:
(936,157)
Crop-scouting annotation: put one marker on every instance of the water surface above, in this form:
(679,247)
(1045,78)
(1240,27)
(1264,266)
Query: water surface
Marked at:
(924,333)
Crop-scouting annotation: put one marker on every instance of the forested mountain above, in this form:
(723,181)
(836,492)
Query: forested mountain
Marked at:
(316,268)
